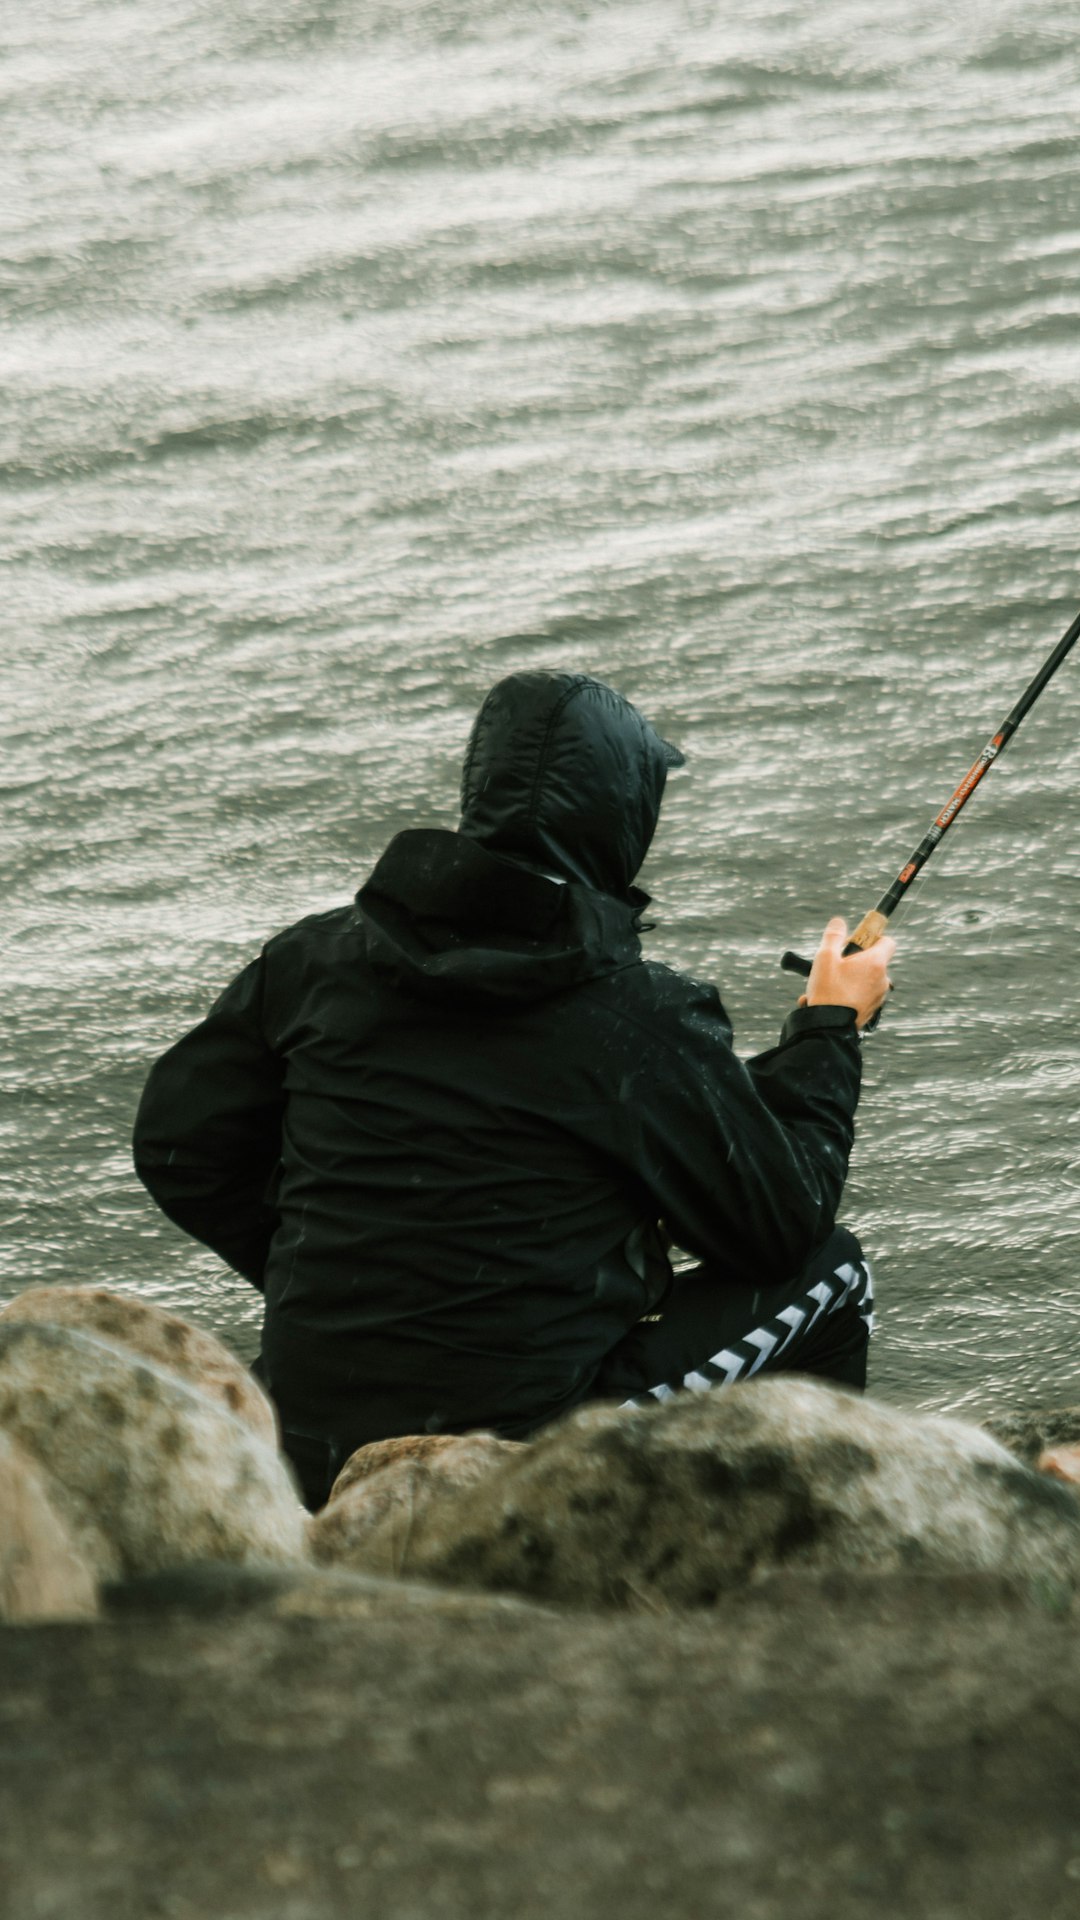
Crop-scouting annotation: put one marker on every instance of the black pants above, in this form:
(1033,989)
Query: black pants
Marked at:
(713,1330)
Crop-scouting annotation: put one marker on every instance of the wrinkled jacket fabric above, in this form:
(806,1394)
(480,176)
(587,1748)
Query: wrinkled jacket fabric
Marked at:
(439,1127)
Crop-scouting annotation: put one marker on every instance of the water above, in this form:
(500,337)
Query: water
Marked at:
(354,355)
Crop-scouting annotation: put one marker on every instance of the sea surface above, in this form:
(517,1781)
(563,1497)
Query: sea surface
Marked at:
(354,354)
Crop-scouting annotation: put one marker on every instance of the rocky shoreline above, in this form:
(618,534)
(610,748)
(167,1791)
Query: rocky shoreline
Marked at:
(824,1746)
(775,1653)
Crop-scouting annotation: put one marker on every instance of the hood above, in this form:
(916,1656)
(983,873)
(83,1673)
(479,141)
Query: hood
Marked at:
(565,774)
(443,917)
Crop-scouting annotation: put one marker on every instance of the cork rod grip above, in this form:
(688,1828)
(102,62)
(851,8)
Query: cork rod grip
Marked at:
(868,932)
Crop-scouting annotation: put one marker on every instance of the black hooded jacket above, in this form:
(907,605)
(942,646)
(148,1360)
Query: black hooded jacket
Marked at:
(439,1127)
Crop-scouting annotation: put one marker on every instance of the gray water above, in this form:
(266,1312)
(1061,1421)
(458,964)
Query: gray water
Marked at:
(356,354)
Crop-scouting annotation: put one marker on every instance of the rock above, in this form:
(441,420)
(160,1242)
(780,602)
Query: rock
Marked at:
(1062,1463)
(383,1488)
(1029,1434)
(146,1471)
(824,1747)
(42,1574)
(369,1527)
(676,1506)
(453,1452)
(216,1592)
(157,1335)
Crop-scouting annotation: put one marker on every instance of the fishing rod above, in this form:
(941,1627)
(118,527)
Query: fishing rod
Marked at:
(873,924)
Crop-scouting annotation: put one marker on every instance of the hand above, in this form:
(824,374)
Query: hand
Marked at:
(860,980)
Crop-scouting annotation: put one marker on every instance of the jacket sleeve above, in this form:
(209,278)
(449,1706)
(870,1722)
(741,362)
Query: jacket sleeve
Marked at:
(208,1129)
(745,1161)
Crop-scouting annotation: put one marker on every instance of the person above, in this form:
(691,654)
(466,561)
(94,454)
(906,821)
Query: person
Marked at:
(452,1130)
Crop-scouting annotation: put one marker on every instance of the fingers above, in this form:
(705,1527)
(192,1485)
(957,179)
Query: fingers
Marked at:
(858,979)
(834,937)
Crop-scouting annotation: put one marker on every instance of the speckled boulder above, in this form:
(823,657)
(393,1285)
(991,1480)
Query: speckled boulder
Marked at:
(1063,1463)
(42,1574)
(676,1506)
(157,1335)
(212,1591)
(145,1471)
(1030,1434)
(383,1489)
(459,1456)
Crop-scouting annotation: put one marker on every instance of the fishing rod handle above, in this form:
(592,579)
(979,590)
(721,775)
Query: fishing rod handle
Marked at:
(866,934)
